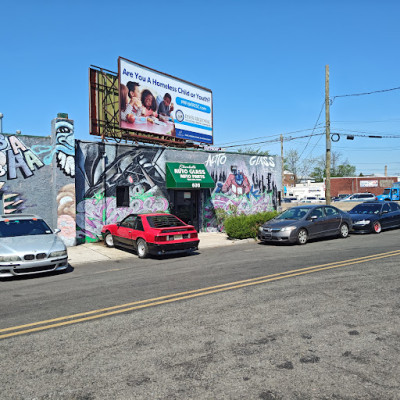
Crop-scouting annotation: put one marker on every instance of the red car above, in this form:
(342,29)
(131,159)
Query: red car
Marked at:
(155,234)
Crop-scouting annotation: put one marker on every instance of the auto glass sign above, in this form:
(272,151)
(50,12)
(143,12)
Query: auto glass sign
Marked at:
(188,176)
(153,102)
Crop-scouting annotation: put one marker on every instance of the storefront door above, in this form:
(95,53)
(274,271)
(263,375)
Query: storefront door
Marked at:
(184,204)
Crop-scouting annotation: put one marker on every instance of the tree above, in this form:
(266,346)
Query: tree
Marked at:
(251,150)
(337,168)
(297,167)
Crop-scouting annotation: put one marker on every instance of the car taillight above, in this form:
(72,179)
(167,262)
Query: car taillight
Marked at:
(193,235)
(161,238)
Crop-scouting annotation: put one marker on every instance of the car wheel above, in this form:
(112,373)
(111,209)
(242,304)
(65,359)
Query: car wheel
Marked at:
(344,231)
(302,236)
(142,248)
(109,240)
(377,227)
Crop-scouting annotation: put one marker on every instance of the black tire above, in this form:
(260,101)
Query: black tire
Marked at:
(302,236)
(376,227)
(108,239)
(142,248)
(344,231)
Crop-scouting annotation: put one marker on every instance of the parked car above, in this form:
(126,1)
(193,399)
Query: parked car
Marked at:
(155,234)
(28,246)
(286,200)
(309,199)
(301,223)
(360,197)
(373,216)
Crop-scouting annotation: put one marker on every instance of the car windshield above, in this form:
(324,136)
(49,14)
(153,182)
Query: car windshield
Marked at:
(366,209)
(164,221)
(386,191)
(23,227)
(293,213)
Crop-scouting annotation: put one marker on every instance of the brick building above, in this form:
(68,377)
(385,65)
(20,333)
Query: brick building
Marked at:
(361,184)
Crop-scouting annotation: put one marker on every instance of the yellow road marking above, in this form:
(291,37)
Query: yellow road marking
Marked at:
(184,296)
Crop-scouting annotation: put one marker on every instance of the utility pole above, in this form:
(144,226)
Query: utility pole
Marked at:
(328,139)
(282,169)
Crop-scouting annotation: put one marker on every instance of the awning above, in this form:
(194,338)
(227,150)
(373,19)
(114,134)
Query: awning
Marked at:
(188,176)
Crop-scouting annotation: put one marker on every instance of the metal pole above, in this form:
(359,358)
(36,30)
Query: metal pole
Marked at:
(282,169)
(328,139)
(1,122)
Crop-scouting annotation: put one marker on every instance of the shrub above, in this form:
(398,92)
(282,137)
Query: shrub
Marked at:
(246,226)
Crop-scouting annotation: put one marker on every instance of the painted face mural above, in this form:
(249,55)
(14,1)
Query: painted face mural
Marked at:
(63,150)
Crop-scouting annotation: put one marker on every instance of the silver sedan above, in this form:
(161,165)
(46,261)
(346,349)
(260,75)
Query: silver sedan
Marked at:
(28,246)
(299,224)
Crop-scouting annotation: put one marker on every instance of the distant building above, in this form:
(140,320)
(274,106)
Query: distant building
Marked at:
(361,184)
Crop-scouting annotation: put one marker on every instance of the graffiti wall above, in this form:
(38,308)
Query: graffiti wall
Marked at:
(35,174)
(244,184)
(100,169)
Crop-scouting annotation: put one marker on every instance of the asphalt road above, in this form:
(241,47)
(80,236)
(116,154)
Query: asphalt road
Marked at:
(249,321)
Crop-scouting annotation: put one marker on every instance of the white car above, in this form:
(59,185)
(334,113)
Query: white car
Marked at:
(309,199)
(29,246)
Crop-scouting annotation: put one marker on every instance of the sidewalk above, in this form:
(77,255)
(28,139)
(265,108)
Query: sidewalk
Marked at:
(92,252)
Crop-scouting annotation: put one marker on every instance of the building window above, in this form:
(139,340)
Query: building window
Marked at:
(122,196)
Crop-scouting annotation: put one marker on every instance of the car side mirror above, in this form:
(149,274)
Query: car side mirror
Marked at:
(57,230)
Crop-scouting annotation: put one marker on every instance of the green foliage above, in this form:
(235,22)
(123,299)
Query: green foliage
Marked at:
(220,215)
(246,226)
(253,150)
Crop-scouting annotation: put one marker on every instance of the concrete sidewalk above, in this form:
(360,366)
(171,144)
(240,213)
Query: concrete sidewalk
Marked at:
(92,252)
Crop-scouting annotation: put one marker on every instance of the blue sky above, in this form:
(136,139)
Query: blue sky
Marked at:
(263,60)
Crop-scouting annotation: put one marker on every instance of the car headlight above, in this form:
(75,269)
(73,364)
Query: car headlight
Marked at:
(58,253)
(9,258)
(362,222)
(288,229)
(260,228)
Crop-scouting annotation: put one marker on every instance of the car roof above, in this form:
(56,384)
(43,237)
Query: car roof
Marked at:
(12,217)
(310,206)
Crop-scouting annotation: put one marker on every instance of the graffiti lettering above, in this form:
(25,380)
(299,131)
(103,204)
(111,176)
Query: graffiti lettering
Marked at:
(265,161)
(14,155)
(216,159)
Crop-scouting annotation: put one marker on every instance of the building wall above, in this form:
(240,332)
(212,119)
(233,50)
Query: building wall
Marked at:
(361,184)
(37,177)
(101,167)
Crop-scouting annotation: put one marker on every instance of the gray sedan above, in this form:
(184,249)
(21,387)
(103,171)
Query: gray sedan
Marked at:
(298,224)
(29,246)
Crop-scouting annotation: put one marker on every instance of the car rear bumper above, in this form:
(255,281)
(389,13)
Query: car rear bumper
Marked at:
(32,267)
(170,248)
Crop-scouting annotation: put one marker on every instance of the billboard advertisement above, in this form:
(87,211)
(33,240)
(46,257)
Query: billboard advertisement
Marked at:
(157,103)
(369,183)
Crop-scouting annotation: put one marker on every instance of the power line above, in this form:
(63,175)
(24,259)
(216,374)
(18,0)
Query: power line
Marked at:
(319,116)
(364,94)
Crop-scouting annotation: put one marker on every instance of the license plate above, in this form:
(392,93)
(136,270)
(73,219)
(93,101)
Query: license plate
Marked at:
(175,237)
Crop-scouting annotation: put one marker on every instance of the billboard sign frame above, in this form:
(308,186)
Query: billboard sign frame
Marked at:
(157,103)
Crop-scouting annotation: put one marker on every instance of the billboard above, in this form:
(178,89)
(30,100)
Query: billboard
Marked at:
(156,103)
(373,183)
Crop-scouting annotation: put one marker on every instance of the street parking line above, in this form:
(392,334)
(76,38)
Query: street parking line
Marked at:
(114,310)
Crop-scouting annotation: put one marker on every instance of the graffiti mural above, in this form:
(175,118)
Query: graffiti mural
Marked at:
(244,184)
(63,149)
(101,169)
(66,214)
(15,156)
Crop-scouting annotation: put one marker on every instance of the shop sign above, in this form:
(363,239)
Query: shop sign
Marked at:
(188,175)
